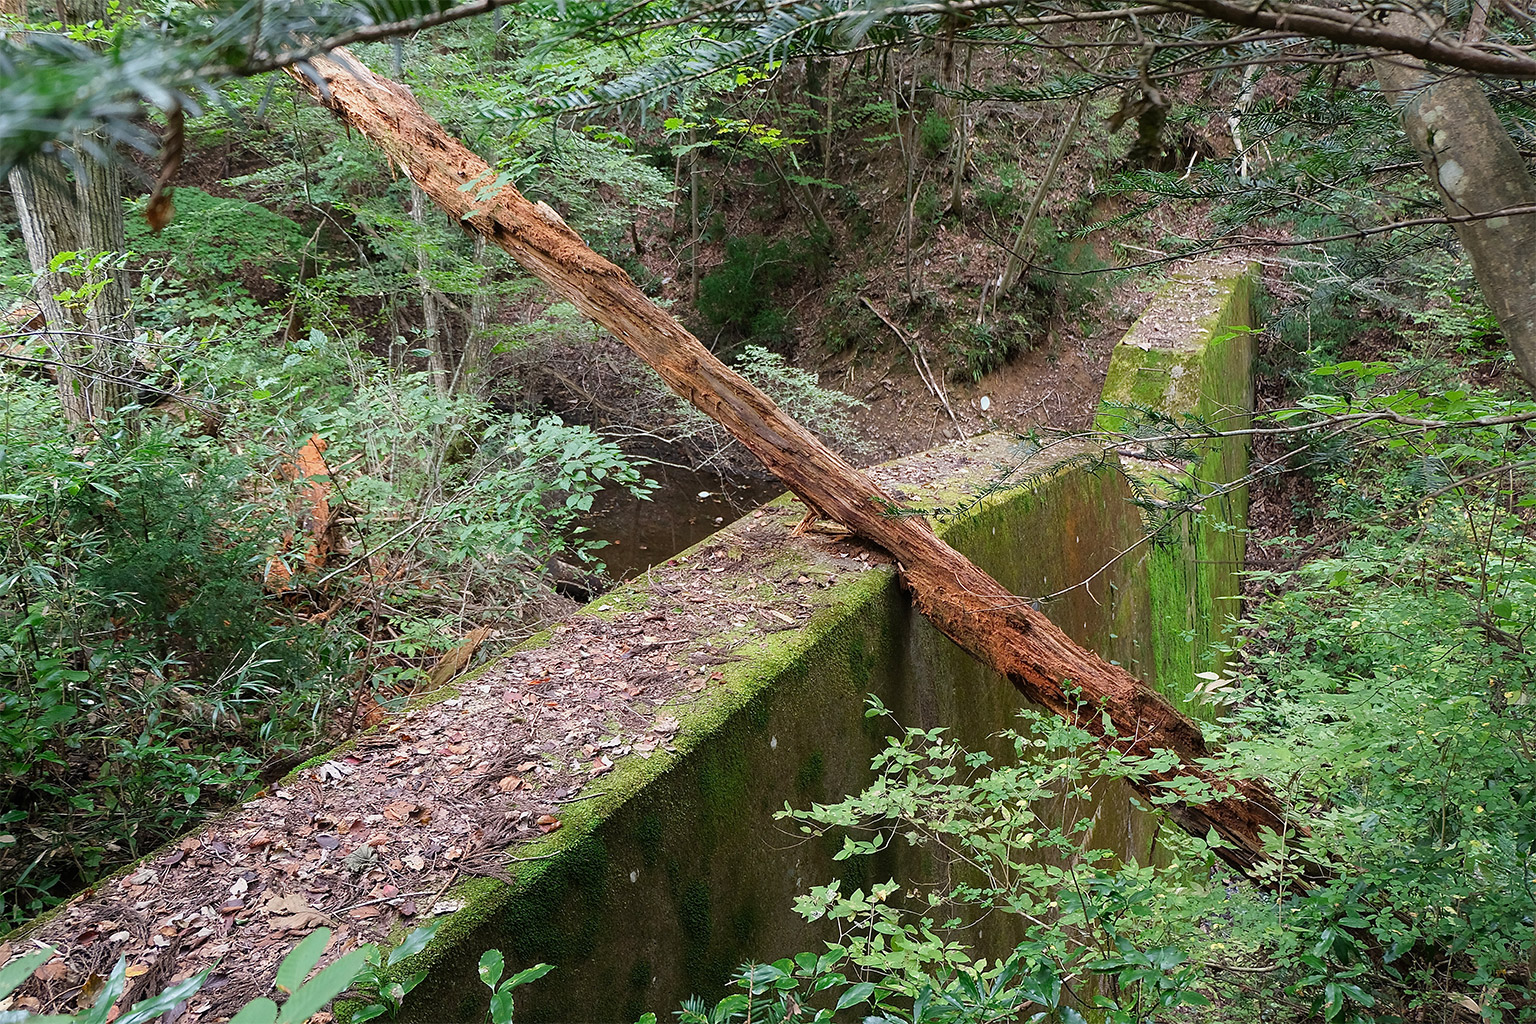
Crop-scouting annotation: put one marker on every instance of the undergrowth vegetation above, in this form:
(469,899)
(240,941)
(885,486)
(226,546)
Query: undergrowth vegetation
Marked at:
(174,629)
(336,478)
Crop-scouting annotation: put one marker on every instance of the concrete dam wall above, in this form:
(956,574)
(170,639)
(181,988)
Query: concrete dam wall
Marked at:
(704,696)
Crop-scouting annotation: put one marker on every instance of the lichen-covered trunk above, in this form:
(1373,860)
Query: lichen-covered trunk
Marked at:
(433,324)
(965,603)
(1477,170)
(89,332)
(473,373)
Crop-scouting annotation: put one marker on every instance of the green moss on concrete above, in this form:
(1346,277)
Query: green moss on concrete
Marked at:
(1190,358)
(809,775)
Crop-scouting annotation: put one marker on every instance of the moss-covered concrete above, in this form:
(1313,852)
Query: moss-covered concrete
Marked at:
(677,872)
(1189,360)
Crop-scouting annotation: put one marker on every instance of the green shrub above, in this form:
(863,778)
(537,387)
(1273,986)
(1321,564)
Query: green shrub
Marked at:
(979,349)
(140,666)
(738,294)
(934,133)
(146,675)
(214,238)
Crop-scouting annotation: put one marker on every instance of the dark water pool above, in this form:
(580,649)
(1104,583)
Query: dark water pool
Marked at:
(685,507)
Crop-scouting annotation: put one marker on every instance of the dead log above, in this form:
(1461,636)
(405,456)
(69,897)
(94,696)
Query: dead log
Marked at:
(966,604)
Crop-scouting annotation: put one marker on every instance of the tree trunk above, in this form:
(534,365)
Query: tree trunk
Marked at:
(1025,239)
(88,335)
(1476,169)
(694,232)
(473,373)
(432,319)
(965,603)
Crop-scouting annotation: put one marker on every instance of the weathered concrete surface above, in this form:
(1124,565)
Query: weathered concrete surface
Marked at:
(681,874)
(1189,358)
(669,871)
(694,871)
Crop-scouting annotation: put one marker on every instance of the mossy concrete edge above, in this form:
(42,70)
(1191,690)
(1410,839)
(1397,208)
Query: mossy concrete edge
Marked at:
(1199,377)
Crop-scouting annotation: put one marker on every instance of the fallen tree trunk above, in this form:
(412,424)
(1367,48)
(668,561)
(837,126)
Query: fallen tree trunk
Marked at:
(966,604)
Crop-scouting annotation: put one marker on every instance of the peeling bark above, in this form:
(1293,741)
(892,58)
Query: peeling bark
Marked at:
(966,604)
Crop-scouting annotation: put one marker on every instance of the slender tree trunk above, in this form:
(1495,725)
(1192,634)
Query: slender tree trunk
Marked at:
(90,335)
(965,603)
(109,315)
(695,234)
(472,375)
(439,359)
(1476,169)
(962,158)
(1024,240)
(432,319)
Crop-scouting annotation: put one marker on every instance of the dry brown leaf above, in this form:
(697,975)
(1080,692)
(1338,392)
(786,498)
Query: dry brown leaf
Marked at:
(509,783)
(291,913)
(397,810)
(362,913)
(56,970)
(94,983)
(548,823)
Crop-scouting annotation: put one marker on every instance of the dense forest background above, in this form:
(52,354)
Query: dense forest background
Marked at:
(276,459)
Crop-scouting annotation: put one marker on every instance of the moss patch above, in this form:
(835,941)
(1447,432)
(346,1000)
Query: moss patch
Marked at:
(1190,358)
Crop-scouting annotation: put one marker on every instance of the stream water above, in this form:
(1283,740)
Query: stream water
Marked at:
(685,507)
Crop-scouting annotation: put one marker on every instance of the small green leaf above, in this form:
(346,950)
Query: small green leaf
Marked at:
(856,994)
(414,943)
(146,1010)
(20,969)
(491,966)
(317,993)
(501,1006)
(533,973)
(257,1011)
